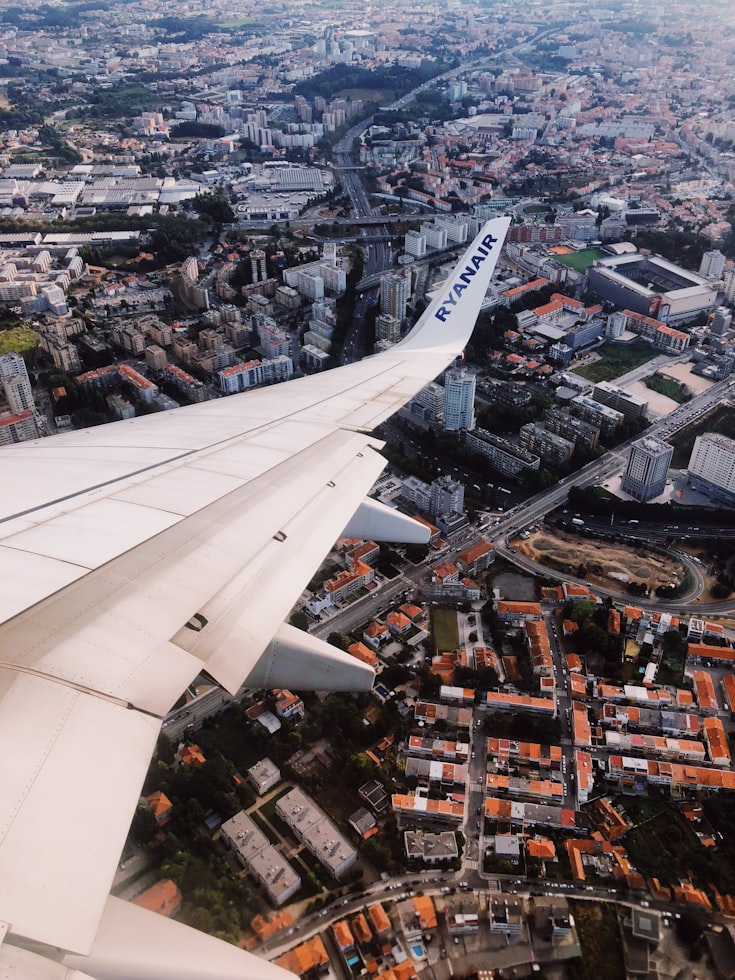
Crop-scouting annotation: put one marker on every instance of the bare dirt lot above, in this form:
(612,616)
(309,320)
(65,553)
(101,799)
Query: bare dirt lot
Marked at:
(604,562)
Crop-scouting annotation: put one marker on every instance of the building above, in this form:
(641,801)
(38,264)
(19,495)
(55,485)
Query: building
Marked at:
(387,328)
(645,472)
(502,454)
(16,383)
(373,793)
(163,898)
(631,406)
(317,831)
(240,377)
(712,466)
(421,810)
(578,431)
(459,400)
(430,848)
(721,320)
(553,449)
(394,296)
(256,853)
(606,419)
(17,427)
(263,776)
(506,917)
(446,496)
(712,265)
(428,403)
(258,269)
(415,244)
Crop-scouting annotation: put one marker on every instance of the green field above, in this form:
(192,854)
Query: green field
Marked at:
(615,360)
(722,420)
(667,386)
(18,340)
(579,261)
(444,628)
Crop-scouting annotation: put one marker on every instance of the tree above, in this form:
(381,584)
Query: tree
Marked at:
(165,749)
(299,620)
(144,826)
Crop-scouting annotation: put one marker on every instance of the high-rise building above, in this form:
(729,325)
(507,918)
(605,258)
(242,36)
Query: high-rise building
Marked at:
(447,496)
(728,279)
(415,244)
(648,464)
(16,383)
(258,265)
(712,466)
(459,400)
(394,296)
(721,320)
(712,264)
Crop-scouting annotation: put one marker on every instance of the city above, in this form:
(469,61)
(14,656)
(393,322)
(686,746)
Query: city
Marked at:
(408,647)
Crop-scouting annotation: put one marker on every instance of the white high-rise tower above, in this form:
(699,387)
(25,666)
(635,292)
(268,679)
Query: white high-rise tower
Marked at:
(459,400)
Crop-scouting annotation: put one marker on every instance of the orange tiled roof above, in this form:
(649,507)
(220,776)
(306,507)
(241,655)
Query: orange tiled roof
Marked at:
(361,929)
(541,848)
(343,934)
(163,897)
(191,755)
(307,956)
(263,928)
(379,919)
(425,911)
(362,652)
(160,804)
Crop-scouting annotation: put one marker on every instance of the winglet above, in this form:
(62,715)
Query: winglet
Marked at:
(450,318)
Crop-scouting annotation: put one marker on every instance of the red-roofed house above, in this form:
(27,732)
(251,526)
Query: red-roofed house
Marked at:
(163,897)
(375,633)
(162,807)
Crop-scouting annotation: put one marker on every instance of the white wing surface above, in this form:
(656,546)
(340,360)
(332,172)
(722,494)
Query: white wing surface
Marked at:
(135,555)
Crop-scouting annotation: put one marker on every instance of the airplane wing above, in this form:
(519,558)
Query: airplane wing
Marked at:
(137,554)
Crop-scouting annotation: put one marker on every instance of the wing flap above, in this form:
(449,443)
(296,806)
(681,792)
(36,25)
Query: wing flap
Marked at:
(235,634)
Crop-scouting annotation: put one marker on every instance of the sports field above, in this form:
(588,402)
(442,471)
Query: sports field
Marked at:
(579,261)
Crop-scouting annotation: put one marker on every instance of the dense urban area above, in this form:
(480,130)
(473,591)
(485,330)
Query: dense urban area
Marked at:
(201,199)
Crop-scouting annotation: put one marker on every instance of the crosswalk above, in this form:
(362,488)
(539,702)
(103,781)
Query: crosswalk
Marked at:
(472,864)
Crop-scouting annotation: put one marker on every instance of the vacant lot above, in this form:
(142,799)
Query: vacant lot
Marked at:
(604,562)
(444,628)
(615,360)
(579,261)
(599,937)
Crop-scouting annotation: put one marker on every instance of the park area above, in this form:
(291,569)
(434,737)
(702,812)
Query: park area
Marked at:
(614,360)
(18,340)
